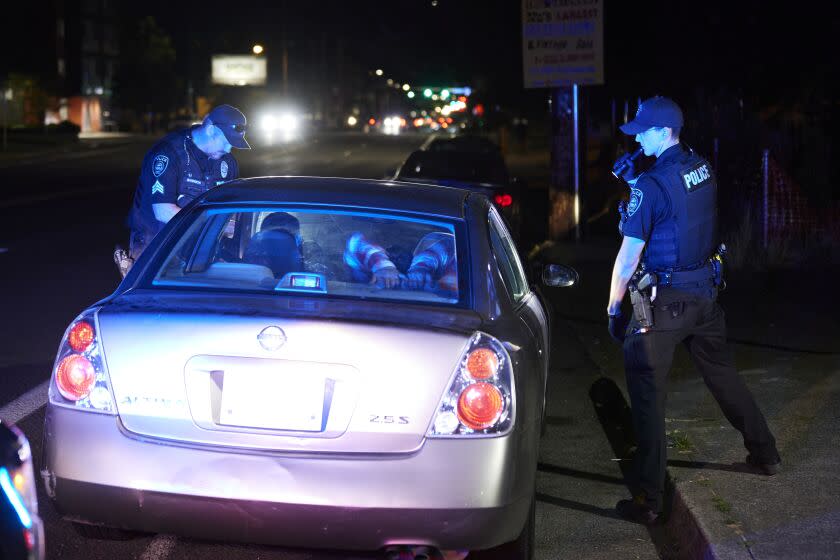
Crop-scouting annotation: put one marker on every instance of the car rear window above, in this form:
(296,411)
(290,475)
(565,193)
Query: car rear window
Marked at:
(465,166)
(331,253)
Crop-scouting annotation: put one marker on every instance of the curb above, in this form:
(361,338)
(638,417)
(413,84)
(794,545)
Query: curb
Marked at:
(685,529)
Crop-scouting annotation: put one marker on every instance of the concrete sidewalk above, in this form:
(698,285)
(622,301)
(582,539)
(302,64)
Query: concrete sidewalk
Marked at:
(785,333)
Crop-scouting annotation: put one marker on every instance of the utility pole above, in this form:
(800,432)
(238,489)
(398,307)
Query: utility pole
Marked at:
(562,49)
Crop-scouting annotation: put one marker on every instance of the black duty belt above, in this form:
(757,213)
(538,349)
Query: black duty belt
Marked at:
(682,277)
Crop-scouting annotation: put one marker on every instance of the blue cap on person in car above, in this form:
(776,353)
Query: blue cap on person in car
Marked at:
(654,112)
(233,124)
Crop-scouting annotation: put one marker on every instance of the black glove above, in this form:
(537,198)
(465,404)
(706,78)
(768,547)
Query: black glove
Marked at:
(629,172)
(618,326)
(624,167)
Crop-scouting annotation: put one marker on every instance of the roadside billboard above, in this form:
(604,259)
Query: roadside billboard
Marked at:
(239,70)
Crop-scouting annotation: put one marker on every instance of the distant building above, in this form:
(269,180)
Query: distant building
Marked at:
(63,59)
(86,59)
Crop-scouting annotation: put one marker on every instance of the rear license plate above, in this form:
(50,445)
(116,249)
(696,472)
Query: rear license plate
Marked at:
(273,400)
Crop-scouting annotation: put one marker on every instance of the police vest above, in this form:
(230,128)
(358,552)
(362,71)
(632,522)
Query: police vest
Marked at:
(193,178)
(686,240)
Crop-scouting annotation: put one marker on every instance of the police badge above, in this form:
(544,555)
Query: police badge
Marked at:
(635,201)
(159,164)
(223,168)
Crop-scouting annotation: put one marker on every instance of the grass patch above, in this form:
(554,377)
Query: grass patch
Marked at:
(746,250)
(680,441)
(722,505)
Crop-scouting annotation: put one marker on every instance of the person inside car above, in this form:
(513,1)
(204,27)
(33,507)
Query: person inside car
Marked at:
(271,246)
(433,264)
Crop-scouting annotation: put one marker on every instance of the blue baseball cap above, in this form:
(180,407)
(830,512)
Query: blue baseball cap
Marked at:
(233,124)
(656,111)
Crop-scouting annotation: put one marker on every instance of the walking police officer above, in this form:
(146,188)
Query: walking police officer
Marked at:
(178,168)
(670,226)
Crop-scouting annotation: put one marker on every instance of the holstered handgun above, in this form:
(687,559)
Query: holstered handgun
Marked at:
(640,298)
(717,266)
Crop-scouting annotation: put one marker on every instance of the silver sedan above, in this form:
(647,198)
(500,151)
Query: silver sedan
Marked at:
(311,362)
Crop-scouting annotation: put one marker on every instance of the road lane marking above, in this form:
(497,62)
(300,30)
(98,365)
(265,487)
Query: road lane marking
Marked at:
(26,404)
(160,548)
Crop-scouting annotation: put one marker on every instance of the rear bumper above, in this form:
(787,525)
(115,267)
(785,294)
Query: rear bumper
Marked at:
(447,494)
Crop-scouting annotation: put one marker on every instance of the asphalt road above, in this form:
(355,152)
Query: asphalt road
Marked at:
(59,221)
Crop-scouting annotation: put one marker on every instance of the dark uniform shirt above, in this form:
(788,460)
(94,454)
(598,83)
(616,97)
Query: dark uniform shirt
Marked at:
(175,171)
(648,205)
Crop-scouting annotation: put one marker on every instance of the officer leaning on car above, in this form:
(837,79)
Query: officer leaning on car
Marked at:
(669,226)
(178,168)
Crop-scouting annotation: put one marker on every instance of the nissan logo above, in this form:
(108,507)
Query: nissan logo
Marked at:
(271,338)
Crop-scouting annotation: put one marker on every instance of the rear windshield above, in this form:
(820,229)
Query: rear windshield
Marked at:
(465,166)
(333,253)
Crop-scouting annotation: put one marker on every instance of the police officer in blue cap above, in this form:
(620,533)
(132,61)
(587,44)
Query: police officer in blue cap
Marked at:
(181,166)
(668,262)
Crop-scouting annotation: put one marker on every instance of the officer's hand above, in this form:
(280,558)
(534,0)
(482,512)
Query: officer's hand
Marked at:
(618,326)
(625,168)
(629,173)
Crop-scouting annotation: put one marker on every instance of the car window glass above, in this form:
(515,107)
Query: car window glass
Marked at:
(463,166)
(342,253)
(513,274)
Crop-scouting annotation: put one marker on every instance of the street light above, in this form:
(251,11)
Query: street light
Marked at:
(379,71)
(258,49)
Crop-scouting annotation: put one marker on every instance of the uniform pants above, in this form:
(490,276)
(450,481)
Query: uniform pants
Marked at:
(697,322)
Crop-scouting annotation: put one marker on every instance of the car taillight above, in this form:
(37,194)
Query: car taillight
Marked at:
(80,336)
(80,377)
(480,405)
(503,200)
(482,363)
(75,377)
(480,398)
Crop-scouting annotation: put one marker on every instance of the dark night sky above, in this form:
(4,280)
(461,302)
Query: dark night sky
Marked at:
(767,52)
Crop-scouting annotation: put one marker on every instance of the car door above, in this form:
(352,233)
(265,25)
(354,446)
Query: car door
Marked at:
(527,305)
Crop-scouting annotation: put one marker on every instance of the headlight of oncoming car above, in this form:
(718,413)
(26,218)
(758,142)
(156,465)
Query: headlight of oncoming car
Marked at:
(480,400)
(80,376)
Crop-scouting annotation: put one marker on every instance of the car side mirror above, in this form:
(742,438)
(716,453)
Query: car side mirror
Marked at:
(559,276)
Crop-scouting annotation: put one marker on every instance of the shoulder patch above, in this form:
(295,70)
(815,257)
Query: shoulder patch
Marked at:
(159,164)
(636,196)
(696,176)
(223,169)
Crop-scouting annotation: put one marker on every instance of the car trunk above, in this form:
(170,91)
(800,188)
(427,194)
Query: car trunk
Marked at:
(341,377)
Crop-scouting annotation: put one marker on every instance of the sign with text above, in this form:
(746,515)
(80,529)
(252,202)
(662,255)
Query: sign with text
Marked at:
(239,70)
(562,42)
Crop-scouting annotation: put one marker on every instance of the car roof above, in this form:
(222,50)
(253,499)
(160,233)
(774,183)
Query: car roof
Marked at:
(464,144)
(366,193)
